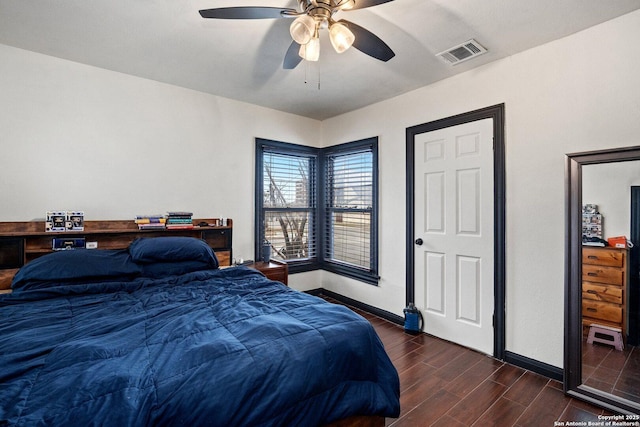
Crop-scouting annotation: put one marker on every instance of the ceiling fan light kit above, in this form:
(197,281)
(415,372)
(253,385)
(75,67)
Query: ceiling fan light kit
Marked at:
(316,15)
(312,16)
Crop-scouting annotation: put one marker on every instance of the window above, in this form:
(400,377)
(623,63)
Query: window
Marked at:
(318,207)
(286,202)
(350,199)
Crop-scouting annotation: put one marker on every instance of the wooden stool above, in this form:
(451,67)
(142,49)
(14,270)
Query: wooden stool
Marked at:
(614,336)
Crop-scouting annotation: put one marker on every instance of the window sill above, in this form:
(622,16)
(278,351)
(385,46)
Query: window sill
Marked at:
(353,273)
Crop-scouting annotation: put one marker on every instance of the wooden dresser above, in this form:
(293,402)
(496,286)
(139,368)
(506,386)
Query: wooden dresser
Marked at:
(21,242)
(604,287)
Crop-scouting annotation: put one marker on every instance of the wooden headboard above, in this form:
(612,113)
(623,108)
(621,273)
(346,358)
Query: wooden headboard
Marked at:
(21,242)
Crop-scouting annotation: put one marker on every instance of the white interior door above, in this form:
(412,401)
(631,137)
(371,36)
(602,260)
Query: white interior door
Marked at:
(454,261)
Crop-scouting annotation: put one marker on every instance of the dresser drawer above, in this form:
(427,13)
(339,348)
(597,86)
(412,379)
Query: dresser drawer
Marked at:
(604,257)
(601,292)
(274,270)
(6,276)
(602,310)
(277,275)
(596,273)
(224,257)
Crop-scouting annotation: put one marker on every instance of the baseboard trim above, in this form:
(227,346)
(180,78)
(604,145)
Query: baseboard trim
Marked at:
(386,315)
(533,365)
(515,359)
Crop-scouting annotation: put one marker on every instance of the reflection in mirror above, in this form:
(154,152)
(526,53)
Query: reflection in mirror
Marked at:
(602,357)
(610,358)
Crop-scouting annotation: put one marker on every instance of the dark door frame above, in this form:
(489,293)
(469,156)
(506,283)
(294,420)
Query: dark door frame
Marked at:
(633,296)
(496,113)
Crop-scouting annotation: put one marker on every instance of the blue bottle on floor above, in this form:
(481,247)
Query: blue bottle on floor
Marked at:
(413,321)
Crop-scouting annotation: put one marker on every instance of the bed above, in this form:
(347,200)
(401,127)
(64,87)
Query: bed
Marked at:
(159,335)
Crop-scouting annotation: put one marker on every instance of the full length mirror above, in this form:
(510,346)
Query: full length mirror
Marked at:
(602,357)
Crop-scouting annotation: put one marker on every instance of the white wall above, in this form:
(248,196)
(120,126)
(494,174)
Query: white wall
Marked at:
(82,138)
(78,137)
(608,186)
(575,94)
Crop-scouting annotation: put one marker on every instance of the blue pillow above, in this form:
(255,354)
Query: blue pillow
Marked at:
(147,250)
(76,266)
(164,269)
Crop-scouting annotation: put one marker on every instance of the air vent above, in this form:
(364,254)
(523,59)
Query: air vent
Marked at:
(462,52)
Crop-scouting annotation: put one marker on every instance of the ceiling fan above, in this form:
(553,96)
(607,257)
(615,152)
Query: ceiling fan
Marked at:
(311,17)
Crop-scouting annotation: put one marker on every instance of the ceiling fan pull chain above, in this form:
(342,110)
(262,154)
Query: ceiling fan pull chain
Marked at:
(308,71)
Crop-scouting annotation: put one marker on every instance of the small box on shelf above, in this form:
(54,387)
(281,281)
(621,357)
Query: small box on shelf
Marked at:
(56,221)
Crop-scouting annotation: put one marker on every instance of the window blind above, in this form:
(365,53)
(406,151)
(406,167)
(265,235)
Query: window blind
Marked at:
(349,190)
(289,204)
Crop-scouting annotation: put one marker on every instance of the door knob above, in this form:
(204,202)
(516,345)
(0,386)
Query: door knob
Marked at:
(419,241)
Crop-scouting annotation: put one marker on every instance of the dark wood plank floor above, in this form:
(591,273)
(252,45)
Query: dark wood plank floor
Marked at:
(444,384)
(613,371)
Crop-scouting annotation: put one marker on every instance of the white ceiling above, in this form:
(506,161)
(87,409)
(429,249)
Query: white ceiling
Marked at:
(168,41)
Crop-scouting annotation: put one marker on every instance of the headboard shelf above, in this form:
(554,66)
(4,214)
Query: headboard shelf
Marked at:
(36,228)
(21,242)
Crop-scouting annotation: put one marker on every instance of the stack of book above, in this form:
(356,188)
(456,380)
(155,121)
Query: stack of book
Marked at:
(179,220)
(150,222)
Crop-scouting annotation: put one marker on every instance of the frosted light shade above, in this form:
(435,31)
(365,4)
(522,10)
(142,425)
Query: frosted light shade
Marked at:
(341,37)
(346,4)
(311,50)
(302,29)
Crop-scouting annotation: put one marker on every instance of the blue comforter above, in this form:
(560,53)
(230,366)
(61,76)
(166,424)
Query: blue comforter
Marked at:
(217,347)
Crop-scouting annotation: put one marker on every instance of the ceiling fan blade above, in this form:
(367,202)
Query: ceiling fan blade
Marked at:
(246,12)
(361,4)
(369,43)
(292,58)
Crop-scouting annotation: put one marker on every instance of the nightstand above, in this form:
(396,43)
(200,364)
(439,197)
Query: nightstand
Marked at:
(274,270)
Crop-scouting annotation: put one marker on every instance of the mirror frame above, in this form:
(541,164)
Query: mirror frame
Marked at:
(573,278)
